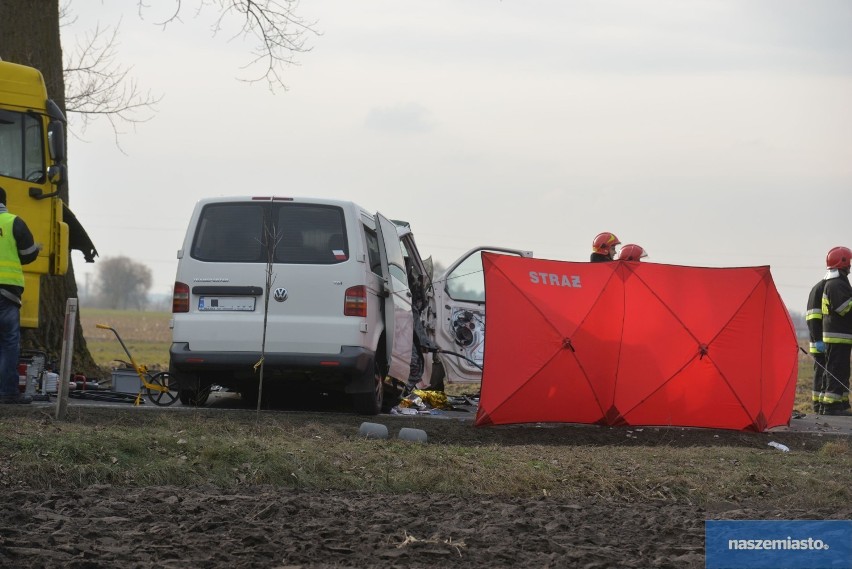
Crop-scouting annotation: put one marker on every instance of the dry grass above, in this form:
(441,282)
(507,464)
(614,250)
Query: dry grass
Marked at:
(146,335)
(138,447)
(804,383)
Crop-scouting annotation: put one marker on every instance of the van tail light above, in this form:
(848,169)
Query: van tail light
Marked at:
(180,298)
(355,301)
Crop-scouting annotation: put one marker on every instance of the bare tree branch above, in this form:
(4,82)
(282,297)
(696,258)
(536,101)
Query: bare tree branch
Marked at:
(96,86)
(279,32)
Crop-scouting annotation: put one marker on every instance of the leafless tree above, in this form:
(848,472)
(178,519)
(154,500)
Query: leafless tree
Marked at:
(96,86)
(123,283)
(280,34)
(30,35)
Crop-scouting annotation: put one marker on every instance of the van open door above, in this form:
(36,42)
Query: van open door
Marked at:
(460,306)
(399,322)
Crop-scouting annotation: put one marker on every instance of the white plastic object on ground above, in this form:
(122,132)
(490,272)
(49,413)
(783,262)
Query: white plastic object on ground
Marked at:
(779,446)
(373,431)
(413,435)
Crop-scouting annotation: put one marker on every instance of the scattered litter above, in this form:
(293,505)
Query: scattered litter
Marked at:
(779,446)
(412,401)
(423,402)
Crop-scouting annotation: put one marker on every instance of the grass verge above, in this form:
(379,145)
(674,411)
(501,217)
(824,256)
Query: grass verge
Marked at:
(136,447)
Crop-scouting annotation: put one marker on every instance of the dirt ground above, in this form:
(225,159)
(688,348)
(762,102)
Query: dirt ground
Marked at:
(272,527)
(106,527)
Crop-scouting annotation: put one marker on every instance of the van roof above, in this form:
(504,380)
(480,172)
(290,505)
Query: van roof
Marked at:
(279,198)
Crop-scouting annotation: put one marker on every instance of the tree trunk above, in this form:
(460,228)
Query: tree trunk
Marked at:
(29,35)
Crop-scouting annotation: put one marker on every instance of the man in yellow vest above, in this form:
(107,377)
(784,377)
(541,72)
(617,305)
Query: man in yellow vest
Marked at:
(17,248)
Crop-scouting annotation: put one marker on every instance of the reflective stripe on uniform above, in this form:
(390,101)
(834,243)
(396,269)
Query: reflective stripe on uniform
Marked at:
(844,308)
(829,398)
(29,250)
(814,314)
(836,338)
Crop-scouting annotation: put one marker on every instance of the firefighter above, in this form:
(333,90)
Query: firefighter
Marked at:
(604,247)
(813,317)
(16,248)
(631,252)
(837,331)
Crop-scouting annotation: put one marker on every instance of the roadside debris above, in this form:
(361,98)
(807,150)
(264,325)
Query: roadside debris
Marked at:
(423,402)
(779,446)
(413,435)
(373,431)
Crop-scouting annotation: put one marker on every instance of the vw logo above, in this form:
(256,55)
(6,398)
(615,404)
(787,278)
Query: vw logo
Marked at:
(280,294)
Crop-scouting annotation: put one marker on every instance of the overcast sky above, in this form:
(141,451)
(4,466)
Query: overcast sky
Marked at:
(713,133)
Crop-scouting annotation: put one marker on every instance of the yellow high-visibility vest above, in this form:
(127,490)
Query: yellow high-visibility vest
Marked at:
(10,264)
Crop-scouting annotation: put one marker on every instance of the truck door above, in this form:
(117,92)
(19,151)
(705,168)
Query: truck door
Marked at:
(399,322)
(33,172)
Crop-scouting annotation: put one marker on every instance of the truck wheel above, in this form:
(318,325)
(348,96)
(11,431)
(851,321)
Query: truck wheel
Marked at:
(370,403)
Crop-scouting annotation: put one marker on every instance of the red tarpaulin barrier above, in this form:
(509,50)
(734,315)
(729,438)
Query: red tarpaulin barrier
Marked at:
(629,343)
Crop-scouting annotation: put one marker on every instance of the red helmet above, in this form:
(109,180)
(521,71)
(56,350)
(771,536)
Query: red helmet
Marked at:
(604,243)
(631,252)
(838,258)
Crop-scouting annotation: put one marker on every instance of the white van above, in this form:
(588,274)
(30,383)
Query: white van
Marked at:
(319,290)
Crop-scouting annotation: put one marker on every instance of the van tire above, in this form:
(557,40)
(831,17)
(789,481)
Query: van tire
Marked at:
(370,403)
(192,391)
(249,393)
(194,397)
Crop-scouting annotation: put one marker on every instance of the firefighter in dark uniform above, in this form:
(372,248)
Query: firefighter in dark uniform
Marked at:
(813,317)
(603,247)
(837,331)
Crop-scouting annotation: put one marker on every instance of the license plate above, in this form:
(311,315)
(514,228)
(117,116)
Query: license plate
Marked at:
(226,303)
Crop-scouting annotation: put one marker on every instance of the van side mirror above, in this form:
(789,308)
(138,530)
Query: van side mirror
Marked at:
(56,140)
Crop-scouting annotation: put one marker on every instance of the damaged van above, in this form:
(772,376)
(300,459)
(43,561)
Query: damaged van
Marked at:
(319,293)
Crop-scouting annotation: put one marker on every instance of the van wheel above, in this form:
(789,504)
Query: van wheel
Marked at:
(193,391)
(392,396)
(249,394)
(194,397)
(370,403)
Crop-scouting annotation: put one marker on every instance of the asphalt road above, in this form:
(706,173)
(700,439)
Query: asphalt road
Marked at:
(228,401)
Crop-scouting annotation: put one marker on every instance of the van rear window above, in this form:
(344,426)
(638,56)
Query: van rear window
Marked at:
(305,234)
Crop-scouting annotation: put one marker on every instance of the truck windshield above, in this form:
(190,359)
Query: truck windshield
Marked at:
(21,146)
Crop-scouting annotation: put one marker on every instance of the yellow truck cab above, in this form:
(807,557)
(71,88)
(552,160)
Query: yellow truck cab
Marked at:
(33,171)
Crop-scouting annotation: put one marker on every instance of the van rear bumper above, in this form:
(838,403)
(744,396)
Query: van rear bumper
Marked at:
(352,361)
